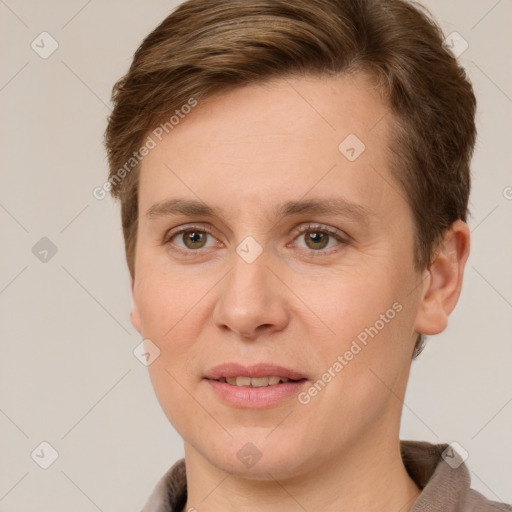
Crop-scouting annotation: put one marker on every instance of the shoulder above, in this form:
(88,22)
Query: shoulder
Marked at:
(170,493)
(473,501)
(444,479)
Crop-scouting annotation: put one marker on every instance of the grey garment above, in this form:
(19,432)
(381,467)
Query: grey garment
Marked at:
(444,481)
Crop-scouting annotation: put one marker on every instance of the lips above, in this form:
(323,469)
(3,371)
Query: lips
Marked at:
(233,370)
(256,386)
(255,382)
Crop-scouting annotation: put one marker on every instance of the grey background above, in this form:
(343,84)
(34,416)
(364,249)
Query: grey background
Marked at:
(68,375)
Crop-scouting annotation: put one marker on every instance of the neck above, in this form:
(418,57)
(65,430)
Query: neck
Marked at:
(368,477)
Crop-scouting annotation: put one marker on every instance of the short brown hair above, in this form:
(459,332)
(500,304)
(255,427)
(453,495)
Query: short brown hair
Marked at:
(205,47)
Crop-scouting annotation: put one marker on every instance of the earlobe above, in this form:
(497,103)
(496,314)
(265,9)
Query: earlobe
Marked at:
(134,312)
(443,280)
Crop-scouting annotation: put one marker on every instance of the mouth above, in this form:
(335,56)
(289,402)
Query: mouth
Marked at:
(255,382)
(256,386)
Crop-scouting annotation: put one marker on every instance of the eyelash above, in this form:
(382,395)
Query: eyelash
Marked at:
(317,228)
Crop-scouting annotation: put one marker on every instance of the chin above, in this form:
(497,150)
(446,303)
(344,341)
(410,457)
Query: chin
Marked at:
(259,458)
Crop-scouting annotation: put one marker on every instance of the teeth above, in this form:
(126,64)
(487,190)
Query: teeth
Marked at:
(255,382)
(243,381)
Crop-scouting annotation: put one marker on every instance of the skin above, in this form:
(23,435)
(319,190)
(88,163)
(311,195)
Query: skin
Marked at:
(246,151)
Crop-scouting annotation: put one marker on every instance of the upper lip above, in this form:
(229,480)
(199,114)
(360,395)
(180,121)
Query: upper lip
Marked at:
(227,370)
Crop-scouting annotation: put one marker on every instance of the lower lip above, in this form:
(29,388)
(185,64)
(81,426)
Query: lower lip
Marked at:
(253,397)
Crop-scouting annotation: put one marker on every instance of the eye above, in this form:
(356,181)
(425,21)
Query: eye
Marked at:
(189,238)
(317,237)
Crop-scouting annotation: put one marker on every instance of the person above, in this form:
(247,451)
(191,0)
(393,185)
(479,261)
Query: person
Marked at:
(294,181)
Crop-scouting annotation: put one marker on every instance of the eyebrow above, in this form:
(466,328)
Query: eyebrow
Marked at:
(318,206)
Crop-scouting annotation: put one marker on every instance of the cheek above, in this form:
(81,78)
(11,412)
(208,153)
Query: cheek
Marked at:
(361,367)
(372,319)
(354,300)
(172,315)
(175,397)
(165,297)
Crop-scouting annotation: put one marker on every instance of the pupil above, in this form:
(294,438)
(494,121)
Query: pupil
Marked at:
(316,238)
(194,238)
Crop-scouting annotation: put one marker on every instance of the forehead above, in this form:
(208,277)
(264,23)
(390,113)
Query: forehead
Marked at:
(284,137)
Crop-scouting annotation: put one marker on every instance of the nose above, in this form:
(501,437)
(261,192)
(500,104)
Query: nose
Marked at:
(252,301)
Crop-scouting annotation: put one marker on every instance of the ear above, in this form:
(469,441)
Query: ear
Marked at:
(134,313)
(443,280)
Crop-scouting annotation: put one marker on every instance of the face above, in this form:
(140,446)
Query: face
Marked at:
(295,262)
